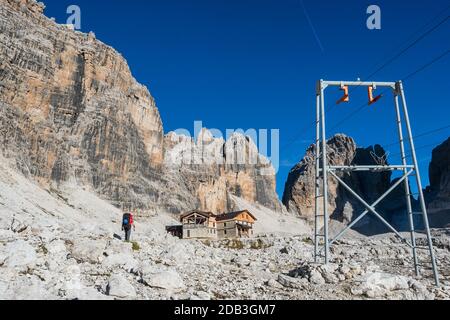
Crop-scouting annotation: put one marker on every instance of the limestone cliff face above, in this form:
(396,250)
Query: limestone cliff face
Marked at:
(438,193)
(71,111)
(342,150)
(70,108)
(216,169)
(299,191)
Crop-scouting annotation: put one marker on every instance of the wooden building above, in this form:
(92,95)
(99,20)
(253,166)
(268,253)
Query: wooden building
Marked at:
(199,225)
(237,224)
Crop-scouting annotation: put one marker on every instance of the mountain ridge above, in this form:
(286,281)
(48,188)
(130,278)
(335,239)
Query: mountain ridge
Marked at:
(72,110)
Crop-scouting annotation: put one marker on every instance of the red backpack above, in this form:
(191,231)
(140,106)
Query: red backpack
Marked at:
(127,219)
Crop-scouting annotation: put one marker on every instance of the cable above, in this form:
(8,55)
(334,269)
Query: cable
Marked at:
(426,65)
(351,115)
(424,35)
(395,57)
(420,135)
(418,148)
(398,55)
(422,27)
(298,136)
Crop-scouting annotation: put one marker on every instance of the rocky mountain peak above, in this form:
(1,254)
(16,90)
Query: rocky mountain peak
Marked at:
(28,6)
(71,112)
(299,194)
(205,136)
(299,189)
(217,169)
(438,193)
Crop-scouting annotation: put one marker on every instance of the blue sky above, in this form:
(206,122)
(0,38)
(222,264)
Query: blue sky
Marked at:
(254,64)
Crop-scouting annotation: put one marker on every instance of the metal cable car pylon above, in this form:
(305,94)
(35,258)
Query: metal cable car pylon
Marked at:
(324,170)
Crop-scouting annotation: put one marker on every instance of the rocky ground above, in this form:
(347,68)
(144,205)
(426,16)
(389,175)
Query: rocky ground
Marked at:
(273,267)
(64,245)
(270,267)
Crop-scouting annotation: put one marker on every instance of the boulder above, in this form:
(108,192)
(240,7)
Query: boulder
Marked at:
(201,295)
(86,294)
(276,284)
(18,254)
(316,277)
(379,284)
(163,279)
(28,287)
(179,252)
(88,250)
(57,248)
(299,189)
(6,235)
(120,260)
(299,193)
(290,282)
(119,287)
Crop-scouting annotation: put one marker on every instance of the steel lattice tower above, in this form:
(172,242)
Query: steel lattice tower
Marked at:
(324,170)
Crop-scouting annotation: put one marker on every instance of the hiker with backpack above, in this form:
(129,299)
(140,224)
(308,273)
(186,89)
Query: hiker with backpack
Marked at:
(127,223)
